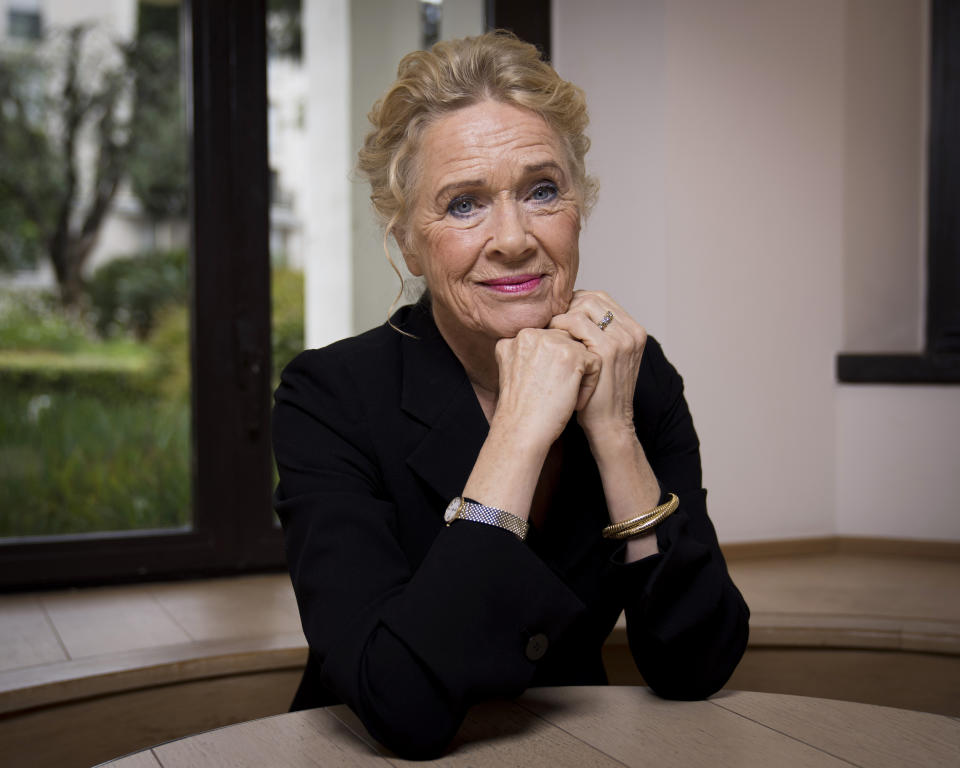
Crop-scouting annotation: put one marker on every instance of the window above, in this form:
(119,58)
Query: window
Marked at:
(24,24)
(231,527)
(940,361)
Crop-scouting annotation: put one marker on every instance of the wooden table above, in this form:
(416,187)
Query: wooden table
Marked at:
(598,726)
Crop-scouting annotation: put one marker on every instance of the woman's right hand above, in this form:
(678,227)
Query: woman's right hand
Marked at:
(545,375)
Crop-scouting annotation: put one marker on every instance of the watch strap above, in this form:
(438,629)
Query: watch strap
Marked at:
(462,508)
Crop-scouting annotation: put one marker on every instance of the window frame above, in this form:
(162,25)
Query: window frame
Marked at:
(33,32)
(529,20)
(939,363)
(233,529)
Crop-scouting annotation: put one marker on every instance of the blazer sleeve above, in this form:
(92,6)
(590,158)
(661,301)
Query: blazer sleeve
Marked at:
(409,649)
(687,623)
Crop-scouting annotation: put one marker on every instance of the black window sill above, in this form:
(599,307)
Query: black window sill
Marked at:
(855,368)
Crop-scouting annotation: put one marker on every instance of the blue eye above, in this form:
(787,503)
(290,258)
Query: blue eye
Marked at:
(544,192)
(462,206)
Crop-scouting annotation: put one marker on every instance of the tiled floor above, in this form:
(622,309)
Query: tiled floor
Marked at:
(859,585)
(44,628)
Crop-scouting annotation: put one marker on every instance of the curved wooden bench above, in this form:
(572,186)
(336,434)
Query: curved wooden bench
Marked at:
(56,684)
(844,619)
(82,712)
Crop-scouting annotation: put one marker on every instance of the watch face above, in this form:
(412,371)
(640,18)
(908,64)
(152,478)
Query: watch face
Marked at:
(452,508)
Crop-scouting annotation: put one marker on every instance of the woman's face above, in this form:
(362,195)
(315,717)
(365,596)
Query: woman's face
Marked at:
(495,222)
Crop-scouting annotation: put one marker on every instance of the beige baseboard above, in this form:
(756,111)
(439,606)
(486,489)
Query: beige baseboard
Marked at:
(847,545)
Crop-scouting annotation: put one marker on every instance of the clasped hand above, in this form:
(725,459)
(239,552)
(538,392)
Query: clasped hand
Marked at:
(572,365)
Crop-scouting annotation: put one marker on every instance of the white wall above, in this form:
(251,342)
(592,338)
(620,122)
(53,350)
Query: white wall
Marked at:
(898,461)
(625,235)
(722,143)
(328,231)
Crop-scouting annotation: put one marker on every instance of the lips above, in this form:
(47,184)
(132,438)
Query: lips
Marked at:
(514,283)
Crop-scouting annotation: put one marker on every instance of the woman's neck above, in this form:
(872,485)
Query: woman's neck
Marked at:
(477,354)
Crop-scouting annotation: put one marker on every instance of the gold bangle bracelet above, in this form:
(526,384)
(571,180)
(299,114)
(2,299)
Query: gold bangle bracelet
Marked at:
(627,529)
(640,528)
(668,506)
(625,524)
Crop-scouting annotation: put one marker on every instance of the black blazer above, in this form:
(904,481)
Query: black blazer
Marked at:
(410,621)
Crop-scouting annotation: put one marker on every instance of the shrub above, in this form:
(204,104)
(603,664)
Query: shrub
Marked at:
(169,345)
(95,435)
(102,376)
(286,293)
(31,319)
(127,293)
(42,349)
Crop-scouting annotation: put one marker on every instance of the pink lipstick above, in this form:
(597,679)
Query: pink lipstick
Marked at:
(514,283)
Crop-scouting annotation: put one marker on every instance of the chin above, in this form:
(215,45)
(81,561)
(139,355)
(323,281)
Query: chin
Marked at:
(510,325)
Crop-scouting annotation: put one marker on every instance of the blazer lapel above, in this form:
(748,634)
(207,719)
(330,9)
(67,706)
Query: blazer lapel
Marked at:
(437,393)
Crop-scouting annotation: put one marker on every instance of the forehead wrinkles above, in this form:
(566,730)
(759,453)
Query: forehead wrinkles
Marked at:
(495,171)
(481,148)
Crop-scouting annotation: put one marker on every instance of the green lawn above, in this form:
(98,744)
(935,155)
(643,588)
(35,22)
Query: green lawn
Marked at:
(95,430)
(75,462)
(121,357)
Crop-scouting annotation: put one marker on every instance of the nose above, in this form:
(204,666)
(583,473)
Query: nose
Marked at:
(509,236)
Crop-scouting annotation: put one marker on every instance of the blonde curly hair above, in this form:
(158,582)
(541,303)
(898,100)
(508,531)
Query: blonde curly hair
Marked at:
(459,73)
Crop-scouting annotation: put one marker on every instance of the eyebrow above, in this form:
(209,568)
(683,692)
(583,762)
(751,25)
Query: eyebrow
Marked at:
(551,164)
(447,189)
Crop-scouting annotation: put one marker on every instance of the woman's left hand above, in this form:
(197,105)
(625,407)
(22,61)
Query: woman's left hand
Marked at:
(620,347)
(629,483)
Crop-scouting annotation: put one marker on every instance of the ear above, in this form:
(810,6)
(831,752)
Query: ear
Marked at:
(410,256)
(412,260)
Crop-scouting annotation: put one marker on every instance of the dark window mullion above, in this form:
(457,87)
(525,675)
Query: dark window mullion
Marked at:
(943,229)
(529,20)
(231,282)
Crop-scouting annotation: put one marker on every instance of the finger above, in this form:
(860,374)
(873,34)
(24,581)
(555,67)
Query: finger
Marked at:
(503,350)
(588,381)
(579,326)
(603,341)
(595,301)
(595,304)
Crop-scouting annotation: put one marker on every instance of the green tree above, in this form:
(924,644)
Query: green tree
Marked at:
(285,28)
(158,165)
(49,204)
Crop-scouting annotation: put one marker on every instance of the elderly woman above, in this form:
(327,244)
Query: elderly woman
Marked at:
(472,493)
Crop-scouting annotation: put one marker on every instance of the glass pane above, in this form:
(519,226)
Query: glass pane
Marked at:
(329,60)
(94,374)
(287,94)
